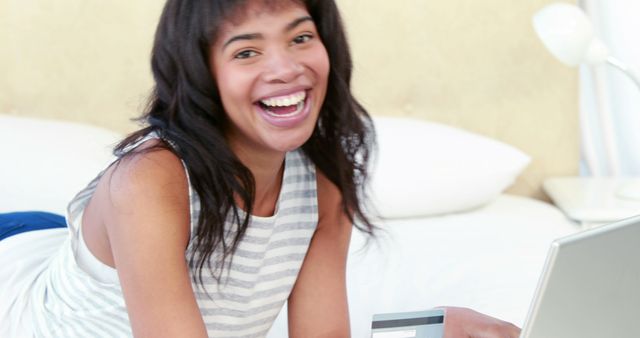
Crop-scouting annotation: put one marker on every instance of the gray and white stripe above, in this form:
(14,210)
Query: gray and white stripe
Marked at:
(267,261)
(67,302)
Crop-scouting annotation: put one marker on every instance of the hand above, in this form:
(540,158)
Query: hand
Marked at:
(466,323)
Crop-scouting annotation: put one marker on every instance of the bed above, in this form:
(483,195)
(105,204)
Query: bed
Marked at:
(463,219)
(448,234)
(483,251)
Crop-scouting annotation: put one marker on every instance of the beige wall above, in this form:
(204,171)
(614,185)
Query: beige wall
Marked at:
(82,60)
(475,64)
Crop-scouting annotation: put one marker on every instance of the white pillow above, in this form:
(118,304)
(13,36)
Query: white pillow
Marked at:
(46,162)
(424,168)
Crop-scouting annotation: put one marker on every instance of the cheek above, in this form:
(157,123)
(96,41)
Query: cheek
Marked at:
(233,87)
(322,64)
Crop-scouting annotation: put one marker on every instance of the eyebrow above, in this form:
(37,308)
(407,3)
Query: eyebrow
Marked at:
(252,36)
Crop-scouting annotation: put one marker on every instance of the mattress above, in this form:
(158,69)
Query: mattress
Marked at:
(487,259)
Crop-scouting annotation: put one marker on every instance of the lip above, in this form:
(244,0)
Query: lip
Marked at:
(284,92)
(288,121)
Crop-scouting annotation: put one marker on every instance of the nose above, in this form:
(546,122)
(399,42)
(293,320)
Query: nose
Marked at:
(282,67)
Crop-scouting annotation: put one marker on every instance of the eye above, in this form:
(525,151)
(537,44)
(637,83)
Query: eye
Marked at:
(302,38)
(245,54)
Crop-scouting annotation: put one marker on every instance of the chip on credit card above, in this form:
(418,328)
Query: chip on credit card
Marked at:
(420,324)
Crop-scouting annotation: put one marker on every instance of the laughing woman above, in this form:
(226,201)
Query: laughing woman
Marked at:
(239,193)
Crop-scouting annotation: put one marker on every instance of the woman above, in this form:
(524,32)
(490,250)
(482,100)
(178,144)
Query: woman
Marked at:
(238,195)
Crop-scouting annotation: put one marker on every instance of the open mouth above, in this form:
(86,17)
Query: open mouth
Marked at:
(284,106)
(286,110)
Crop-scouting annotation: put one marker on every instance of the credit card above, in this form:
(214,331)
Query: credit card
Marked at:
(420,324)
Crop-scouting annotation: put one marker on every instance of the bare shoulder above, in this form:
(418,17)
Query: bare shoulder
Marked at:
(145,189)
(152,174)
(328,193)
(330,208)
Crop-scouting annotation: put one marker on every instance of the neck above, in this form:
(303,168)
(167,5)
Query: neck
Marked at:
(267,170)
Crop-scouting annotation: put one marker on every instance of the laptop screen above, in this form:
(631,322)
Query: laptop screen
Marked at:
(590,286)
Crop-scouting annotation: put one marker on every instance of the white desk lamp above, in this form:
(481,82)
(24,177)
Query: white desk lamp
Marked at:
(568,34)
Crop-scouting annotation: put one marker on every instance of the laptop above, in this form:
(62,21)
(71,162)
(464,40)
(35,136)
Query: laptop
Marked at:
(590,286)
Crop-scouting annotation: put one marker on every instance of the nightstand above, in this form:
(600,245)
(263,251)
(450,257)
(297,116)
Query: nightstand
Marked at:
(594,201)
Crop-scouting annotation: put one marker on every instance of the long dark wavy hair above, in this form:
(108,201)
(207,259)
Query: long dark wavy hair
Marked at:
(185,109)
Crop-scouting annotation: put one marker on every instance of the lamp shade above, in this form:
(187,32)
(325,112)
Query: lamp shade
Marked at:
(568,34)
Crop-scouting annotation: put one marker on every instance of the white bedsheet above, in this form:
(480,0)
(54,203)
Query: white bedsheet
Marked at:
(488,259)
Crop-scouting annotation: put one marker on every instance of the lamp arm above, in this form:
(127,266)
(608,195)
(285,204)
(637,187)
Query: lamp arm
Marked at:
(625,69)
(630,190)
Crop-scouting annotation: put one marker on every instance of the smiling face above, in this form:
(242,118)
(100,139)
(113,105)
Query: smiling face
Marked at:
(271,69)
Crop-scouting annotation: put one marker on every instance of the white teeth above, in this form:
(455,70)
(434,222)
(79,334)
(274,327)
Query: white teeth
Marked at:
(293,113)
(284,101)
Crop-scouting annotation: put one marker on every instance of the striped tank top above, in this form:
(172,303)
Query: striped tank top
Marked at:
(66,301)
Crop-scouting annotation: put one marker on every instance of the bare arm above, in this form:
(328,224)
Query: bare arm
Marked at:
(318,302)
(145,209)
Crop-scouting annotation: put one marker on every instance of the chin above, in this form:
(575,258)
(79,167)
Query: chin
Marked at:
(288,139)
(291,143)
